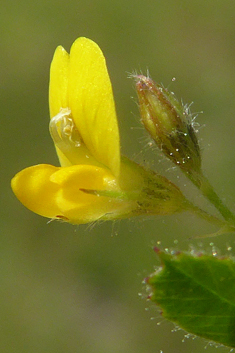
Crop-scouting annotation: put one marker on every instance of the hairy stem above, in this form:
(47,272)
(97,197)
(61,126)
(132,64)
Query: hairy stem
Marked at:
(224,226)
(208,192)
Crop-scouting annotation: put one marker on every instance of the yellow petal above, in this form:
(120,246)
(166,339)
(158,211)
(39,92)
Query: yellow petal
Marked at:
(74,199)
(58,89)
(88,177)
(33,188)
(92,104)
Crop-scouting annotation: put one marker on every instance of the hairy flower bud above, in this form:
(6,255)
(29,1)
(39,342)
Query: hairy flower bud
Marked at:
(169,124)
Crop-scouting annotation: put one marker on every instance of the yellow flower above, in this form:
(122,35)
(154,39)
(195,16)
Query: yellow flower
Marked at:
(93,182)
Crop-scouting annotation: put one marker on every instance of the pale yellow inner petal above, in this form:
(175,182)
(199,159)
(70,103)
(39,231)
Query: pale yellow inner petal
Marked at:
(69,144)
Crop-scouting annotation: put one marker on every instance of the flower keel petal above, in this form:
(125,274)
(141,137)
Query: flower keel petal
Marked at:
(33,188)
(74,198)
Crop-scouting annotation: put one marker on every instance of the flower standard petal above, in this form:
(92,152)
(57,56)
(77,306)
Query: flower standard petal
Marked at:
(58,89)
(92,104)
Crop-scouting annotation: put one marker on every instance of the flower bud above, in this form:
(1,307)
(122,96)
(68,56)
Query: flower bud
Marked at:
(169,124)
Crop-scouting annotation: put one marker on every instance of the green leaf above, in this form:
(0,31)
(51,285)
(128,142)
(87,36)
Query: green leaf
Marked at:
(197,293)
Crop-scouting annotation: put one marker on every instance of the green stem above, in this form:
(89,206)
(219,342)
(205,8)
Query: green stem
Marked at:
(208,191)
(226,226)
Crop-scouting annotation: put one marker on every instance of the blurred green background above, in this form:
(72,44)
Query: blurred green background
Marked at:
(79,288)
